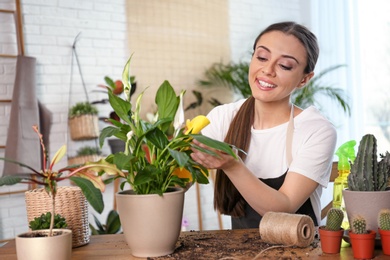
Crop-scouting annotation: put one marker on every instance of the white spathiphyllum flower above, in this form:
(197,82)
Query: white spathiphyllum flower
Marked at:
(129,135)
(126,80)
(179,117)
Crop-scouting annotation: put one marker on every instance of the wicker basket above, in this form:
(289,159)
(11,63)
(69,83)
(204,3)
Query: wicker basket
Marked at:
(70,204)
(83,159)
(84,127)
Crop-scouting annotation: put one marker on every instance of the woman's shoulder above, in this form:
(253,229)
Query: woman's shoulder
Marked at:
(311,119)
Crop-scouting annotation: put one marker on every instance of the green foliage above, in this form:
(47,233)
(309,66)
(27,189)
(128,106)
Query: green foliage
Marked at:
(82,108)
(235,77)
(87,177)
(334,219)
(155,150)
(384,219)
(232,75)
(367,174)
(112,226)
(88,150)
(43,222)
(359,225)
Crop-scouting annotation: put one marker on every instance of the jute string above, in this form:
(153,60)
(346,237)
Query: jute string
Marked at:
(287,229)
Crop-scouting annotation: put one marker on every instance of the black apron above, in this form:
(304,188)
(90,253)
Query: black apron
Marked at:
(252,218)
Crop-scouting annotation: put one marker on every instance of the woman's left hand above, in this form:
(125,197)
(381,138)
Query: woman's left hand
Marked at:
(220,161)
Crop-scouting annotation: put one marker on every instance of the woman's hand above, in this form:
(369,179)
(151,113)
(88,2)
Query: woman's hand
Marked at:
(220,161)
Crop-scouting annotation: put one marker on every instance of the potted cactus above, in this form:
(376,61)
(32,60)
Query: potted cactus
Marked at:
(332,233)
(384,230)
(362,239)
(368,190)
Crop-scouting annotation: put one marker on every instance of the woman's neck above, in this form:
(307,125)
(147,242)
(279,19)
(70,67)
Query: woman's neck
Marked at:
(269,115)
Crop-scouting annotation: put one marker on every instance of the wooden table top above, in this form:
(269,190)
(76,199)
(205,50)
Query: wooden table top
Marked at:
(219,244)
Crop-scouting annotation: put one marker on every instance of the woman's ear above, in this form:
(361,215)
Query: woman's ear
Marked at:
(306,79)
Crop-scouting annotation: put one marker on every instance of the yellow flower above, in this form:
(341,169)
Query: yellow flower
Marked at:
(196,124)
(182,173)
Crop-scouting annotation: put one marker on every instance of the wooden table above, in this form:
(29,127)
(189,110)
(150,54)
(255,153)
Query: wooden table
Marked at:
(221,244)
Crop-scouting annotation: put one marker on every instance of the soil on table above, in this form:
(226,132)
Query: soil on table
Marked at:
(196,245)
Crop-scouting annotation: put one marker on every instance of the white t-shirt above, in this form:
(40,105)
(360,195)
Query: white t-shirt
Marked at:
(313,146)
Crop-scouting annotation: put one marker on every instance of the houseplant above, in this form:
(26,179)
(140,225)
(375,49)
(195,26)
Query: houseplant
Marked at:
(331,234)
(156,163)
(86,177)
(83,121)
(384,229)
(85,154)
(362,239)
(112,225)
(368,183)
(235,77)
(116,88)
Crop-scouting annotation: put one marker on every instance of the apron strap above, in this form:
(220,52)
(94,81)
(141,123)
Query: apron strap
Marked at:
(289,137)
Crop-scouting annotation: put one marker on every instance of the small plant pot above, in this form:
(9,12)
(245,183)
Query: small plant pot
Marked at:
(385,240)
(363,245)
(29,246)
(330,240)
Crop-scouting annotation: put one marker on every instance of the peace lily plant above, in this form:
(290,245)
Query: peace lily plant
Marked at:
(87,177)
(157,154)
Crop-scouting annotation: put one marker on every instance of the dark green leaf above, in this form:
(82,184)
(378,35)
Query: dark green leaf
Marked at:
(121,107)
(107,132)
(180,157)
(10,180)
(91,193)
(157,138)
(221,146)
(113,224)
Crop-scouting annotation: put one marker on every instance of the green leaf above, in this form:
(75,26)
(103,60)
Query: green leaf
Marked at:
(121,160)
(218,145)
(10,180)
(109,82)
(93,195)
(180,157)
(166,100)
(157,138)
(121,107)
(107,132)
(113,224)
(167,103)
(145,175)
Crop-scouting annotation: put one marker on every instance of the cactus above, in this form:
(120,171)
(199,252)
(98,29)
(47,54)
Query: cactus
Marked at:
(367,174)
(359,225)
(334,218)
(384,219)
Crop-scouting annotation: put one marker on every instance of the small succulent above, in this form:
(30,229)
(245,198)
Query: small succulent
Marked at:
(334,218)
(43,222)
(384,219)
(359,225)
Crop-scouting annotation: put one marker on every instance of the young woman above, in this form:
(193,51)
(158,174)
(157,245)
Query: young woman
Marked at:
(289,151)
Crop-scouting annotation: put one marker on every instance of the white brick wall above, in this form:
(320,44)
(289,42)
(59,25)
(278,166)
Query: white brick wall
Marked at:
(50,27)
(49,30)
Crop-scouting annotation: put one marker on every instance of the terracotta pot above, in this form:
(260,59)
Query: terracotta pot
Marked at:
(151,223)
(57,247)
(385,240)
(330,240)
(363,245)
(361,203)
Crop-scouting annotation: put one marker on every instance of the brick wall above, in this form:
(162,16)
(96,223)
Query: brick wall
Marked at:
(171,39)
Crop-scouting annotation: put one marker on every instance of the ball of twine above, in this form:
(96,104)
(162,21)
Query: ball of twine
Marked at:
(287,229)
